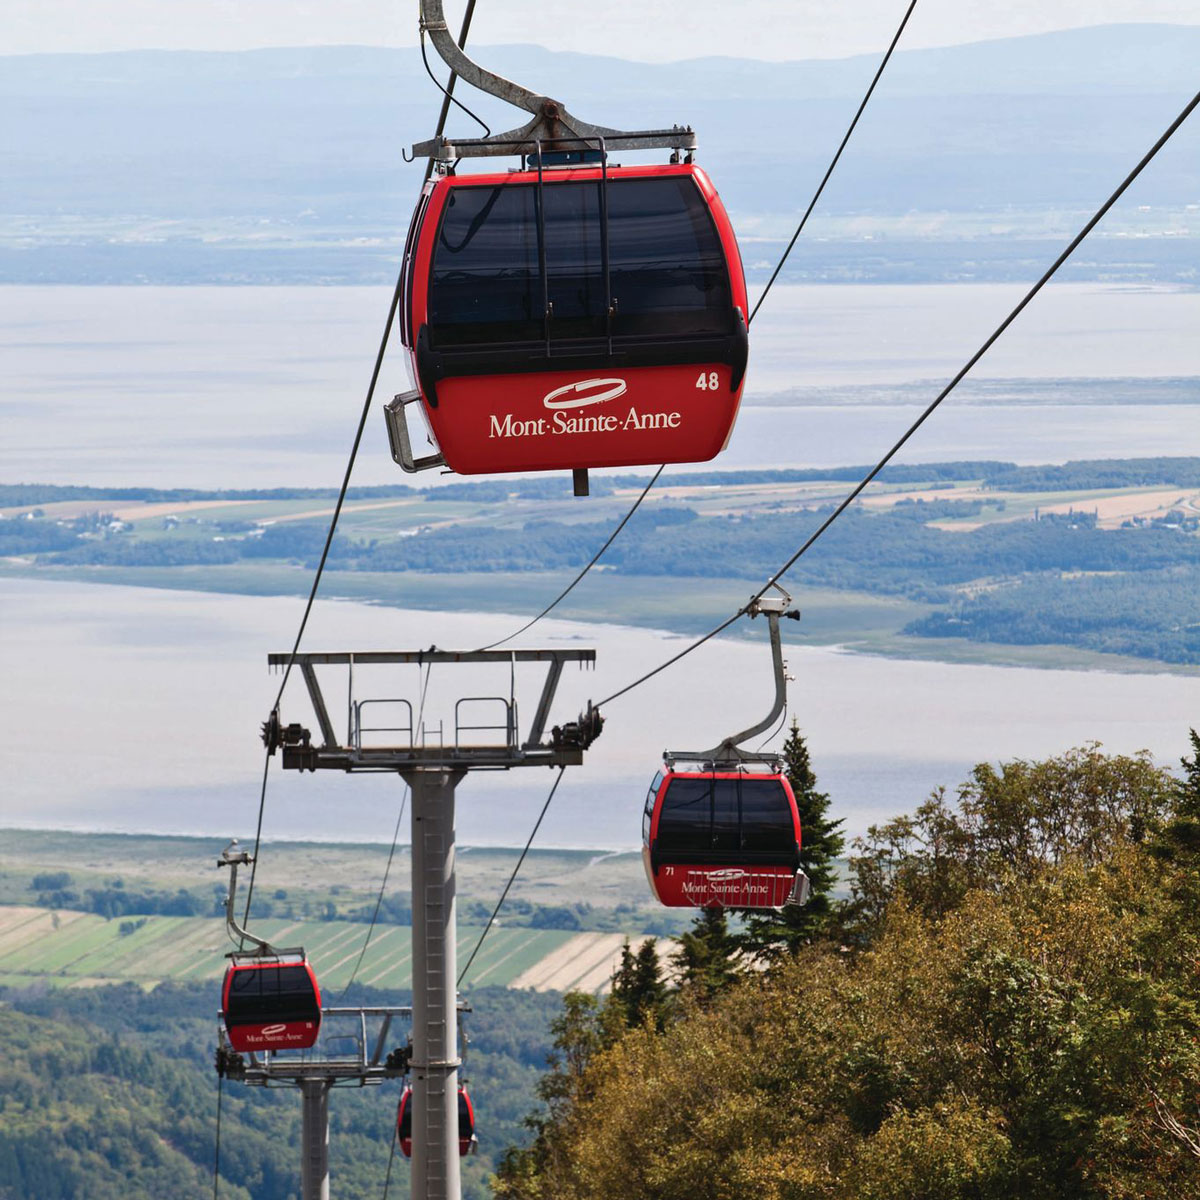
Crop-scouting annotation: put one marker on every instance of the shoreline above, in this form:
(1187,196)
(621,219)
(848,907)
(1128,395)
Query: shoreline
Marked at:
(1040,656)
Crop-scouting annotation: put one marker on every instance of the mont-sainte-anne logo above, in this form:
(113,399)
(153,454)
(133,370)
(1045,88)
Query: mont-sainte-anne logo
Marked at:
(584,392)
(273,1030)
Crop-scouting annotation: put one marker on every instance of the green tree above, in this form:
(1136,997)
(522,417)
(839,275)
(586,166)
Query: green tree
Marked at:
(1180,836)
(581,1031)
(1011,820)
(767,935)
(708,958)
(638,990)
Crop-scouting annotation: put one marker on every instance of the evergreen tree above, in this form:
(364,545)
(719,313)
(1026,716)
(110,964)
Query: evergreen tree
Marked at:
(768,935)
(638,990)
(1181,836)
(708,955)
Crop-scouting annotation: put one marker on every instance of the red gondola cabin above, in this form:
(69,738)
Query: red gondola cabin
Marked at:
(728,838)
(466,1122)
(575,317)
(271,1005)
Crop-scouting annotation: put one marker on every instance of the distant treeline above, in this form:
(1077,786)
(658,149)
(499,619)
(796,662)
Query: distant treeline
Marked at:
(14,494)
(1006,476)
(1059,580)
(1098,473)
(1152,614)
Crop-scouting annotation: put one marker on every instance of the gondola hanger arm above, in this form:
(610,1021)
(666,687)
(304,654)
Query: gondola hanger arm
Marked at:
(433,22)
(773,604)
(232,858)
(552,125)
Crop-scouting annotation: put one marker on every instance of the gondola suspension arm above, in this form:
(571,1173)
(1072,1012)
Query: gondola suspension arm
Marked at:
(772,606)
(232,858)
(551,124)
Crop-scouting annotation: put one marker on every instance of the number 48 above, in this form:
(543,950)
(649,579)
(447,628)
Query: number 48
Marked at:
(706,381)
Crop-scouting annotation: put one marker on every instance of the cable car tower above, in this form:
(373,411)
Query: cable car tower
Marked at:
(382,736)
(572,312)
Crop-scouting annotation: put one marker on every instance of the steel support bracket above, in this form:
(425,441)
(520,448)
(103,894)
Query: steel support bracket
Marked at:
(552,128)
(399,440)
(564,747)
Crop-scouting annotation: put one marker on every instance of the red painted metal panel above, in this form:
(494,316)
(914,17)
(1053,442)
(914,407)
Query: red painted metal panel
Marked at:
(544,421)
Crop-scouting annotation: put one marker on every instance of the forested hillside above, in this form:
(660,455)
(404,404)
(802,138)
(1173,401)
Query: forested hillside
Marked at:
(1009,1006)
(110,1094)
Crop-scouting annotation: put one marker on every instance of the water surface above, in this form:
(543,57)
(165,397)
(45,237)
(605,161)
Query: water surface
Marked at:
(262,387)
(138,710)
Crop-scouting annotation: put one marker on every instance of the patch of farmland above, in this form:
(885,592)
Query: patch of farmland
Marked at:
(508,953)
(18,925)
(126,953)
(82,949)
(586,962)
(388,952)
(52,948)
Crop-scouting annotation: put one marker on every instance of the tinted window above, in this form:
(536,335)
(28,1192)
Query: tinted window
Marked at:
(667,266)
(264,994)
(685,823)
(766,816)
(485,267)
(667,269)
(725,816)
(648,811)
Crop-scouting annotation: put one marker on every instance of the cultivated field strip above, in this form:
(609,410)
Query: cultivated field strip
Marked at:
(508,953)
(75,949)
(18,925)
(584,956)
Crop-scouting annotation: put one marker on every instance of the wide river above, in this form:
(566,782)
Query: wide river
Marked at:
(135,709)
(262,387)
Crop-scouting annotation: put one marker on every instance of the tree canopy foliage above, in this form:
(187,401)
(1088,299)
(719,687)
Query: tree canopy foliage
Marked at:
(1010,1007)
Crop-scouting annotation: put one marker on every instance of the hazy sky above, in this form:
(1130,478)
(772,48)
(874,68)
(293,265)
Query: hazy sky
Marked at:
(653,30)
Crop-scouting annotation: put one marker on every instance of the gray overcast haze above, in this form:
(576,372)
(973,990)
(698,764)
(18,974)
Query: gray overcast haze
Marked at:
(652,30)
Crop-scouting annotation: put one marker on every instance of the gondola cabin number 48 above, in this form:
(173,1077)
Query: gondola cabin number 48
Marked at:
(575,317)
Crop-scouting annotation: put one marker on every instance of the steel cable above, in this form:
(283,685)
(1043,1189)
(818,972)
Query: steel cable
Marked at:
(1072,246)
(504,895)
(362,422)
(217,1150)
(799,229)
(449,97)
(262,804)
(1050,272)
(821,187)
(612,537)
(387,1180)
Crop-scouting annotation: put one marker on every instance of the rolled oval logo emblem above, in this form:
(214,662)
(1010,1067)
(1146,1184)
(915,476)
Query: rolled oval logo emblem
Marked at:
(273,1030)
(569,396)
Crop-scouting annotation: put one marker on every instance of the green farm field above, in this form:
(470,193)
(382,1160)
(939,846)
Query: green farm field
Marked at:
(568,913)
(73,949)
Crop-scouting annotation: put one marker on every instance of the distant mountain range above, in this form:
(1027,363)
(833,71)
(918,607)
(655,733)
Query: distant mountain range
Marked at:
(286,165)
